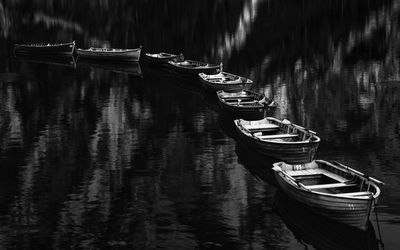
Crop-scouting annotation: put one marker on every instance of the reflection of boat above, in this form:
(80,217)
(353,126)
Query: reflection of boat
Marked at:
(110,54)
(162,58)
(332,190)
(119,67)
(257,164)
(245,104)
(320,232)
(66,61)
(279,139)
(225,81)
(11,77)
(193,67)
(164,77)
(45,49)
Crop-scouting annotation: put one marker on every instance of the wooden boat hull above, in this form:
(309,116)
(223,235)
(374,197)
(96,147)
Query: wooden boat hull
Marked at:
(320,231)
(288,153)
(225,81)
(344,210)
(66,49)
(296,152)
(132,55)
(193,68)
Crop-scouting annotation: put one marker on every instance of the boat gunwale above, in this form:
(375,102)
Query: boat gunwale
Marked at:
(30,46)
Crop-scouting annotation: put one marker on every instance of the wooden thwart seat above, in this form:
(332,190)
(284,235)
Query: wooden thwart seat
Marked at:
(241,100)
(235,98)
(278,136)
(248,102)
(331,185)
(362,193)
(260,126)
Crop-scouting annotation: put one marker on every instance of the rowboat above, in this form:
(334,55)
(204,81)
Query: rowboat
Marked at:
(314,231)
(162,58)
(110,54)
(193,68)
(45,48)
(329,189)
(245,104)
(279,139)
(225,81)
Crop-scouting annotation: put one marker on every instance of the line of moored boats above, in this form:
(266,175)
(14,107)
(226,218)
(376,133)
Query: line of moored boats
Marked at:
(330,189)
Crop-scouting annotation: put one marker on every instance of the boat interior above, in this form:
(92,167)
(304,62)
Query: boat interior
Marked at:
(244,99)
(325,178)
(271,130)
(106,49)
(222,76)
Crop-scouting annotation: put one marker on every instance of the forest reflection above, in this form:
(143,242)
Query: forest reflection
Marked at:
(97,158)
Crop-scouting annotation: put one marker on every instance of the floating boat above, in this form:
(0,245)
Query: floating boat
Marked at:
(225,81)
(314,231)
(163,58)
(193,67)
(329,189)
(245,104)
(110,54)
(279,139)
(45,49)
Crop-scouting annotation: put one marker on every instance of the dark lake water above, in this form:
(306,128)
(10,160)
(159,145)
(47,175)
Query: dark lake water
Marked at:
(93,157)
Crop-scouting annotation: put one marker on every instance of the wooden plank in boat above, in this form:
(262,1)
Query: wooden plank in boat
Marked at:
(241,100)
(362,193)
(234,98)
(260,126)
(303,172)
(333,176)
(278,136)
(331,185)
(316,171)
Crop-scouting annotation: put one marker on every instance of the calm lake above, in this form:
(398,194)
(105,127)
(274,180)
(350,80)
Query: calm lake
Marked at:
(100,157)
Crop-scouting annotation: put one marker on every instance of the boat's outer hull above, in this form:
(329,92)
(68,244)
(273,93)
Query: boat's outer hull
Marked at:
(65,49)
(321,231)
(132,55)
(244,84)
(350,211)
(293,153)
(194,72)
